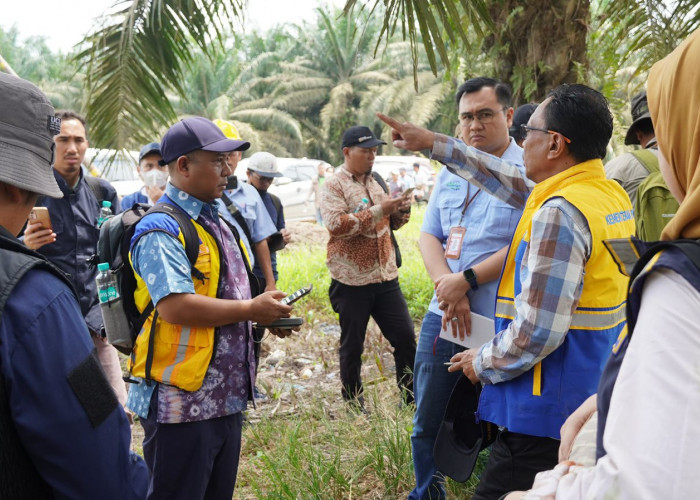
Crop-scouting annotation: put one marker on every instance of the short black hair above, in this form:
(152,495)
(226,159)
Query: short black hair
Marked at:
(503,92)
(581,114)
(67,114)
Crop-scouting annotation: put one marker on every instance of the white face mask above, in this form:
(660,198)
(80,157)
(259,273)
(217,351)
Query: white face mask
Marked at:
(155,178)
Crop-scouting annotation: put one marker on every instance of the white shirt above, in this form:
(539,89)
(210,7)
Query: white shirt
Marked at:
(652,434)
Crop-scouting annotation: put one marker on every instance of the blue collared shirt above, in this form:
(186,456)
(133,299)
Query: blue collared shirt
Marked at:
(489,224)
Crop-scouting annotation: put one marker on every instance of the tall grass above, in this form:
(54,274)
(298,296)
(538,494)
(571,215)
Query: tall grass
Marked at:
(319,448)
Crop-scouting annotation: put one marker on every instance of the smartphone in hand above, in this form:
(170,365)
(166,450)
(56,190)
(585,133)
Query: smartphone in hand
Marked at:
(40,215)
(291,299)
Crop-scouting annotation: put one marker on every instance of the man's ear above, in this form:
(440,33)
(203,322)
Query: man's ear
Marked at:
(509,116)
(182,165)
(557,146)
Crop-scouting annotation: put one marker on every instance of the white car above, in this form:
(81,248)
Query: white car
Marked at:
(116,166)
(384,165)
(293,188)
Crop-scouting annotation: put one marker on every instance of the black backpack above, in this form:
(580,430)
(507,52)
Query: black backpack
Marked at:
(113,247)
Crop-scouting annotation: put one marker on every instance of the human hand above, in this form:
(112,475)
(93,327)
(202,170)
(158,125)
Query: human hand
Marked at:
(460,310)
(391,205)
(463,361)
(266,307)
(270,286)
(35,236)
(286,235)
(154,193)
(572,426)
(407,135)
(451,287)
(283,332)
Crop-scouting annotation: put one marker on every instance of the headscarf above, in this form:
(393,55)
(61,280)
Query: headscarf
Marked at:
(673,92)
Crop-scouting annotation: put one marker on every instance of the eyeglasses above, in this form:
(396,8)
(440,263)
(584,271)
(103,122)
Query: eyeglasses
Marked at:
(485,116)
(262,178)
(524,129)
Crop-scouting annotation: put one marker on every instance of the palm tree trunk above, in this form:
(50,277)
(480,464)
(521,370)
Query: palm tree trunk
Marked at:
(539,44)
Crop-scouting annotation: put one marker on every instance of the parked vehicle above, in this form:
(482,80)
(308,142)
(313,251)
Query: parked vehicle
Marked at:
(384,165)
(116,166)
(294,187)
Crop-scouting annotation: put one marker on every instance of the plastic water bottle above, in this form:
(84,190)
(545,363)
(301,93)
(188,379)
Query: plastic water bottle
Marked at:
(362,206)
(113,315)
(105,212)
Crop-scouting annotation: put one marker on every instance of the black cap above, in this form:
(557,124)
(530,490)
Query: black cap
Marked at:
(360,136)
(521,117)
(461,435)
(640,112)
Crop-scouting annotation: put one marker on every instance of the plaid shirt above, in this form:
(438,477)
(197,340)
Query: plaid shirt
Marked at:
(552,268)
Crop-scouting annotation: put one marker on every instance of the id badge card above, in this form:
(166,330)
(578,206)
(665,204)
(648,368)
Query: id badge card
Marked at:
(453,249)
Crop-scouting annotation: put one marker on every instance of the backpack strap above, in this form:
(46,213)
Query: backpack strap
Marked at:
(397,250)
(96,188)
(648,159)
(191,238)
(380,181)
(254,283)
(276,202)
(691,249)
(238,216)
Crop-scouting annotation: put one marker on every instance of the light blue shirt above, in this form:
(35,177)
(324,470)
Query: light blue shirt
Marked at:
(489,223)
(253,210)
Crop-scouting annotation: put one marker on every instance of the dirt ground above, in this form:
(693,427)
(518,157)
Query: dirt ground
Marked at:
(306,231)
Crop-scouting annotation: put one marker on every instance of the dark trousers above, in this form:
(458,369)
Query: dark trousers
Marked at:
(192,460)
(386,304)
(514,461)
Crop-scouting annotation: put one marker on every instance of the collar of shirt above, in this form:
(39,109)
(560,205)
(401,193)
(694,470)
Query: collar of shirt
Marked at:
(344,171)
(193,206)
(513,154)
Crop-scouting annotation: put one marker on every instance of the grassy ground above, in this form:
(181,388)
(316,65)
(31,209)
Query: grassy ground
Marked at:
(303,442)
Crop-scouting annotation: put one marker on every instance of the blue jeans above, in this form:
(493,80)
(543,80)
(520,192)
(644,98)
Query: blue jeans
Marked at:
(433,385)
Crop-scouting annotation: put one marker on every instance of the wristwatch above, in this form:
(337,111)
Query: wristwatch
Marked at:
(470,277)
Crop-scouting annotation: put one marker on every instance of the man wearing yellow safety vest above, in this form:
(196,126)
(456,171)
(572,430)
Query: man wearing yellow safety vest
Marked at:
(198,363)
(560,303)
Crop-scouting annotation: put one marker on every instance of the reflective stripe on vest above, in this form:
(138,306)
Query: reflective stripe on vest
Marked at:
(181,353)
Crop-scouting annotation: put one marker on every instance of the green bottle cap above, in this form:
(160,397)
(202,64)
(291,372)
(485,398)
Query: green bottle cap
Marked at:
(103,266)
(107,204)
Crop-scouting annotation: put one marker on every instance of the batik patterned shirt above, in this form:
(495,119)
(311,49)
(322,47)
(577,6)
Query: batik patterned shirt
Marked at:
(360,251)
(229,377)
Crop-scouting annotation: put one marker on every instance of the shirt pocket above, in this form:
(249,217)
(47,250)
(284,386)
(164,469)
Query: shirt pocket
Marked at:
(503,219)
(451,204)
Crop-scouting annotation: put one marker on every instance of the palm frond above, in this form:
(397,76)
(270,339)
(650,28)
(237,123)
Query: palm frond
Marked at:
(138,55)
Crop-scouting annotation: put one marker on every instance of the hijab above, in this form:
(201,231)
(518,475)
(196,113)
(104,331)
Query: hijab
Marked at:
(673,92)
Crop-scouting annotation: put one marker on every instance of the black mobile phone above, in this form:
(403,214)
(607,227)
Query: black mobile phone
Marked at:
(283,323)
(291,299)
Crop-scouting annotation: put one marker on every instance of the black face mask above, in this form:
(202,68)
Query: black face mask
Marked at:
(232,182)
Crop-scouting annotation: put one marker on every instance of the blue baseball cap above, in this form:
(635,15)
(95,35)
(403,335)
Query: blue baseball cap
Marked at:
(152,148)
(191,134)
